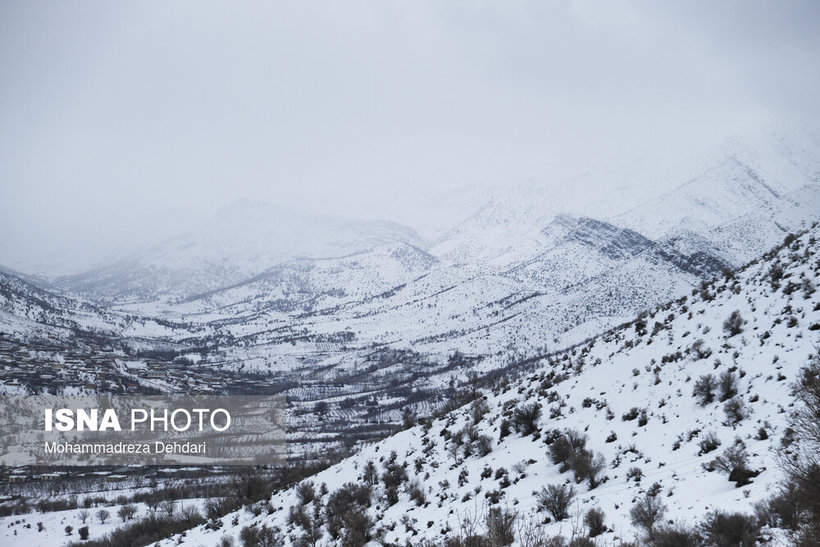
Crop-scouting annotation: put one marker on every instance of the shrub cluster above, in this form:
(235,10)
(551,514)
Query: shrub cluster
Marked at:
(556,499)
(525,418)
(568,450)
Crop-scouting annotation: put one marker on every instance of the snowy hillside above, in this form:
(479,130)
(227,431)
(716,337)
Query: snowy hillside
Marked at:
(668,404)
(367,318)
(24,308)
(772,174)
(732,202)
(306,283)
(519,270)
(239,242)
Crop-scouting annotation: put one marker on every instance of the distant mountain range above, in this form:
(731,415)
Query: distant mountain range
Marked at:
(730,203)
(306,298)
(239,242)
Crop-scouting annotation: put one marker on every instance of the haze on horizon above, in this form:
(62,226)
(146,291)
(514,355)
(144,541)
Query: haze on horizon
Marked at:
(121,123)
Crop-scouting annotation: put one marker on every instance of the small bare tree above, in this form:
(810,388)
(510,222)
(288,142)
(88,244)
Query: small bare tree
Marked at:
(501,526)
(190,514)
(594,519)
(102,515)
(168,507)
(646,512)
(127,511)
(803,466)
(556,498)
(733,324)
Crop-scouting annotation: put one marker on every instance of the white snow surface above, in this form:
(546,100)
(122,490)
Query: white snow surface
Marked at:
(604,379)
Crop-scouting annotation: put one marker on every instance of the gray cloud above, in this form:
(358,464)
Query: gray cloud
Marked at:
(121,121)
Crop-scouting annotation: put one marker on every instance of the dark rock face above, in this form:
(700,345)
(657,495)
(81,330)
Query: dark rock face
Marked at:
(700,263)
(622,244)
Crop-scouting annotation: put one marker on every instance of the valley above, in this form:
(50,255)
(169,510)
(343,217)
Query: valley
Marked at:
(385,342)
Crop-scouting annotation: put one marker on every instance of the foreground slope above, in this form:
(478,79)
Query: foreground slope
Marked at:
(629,392)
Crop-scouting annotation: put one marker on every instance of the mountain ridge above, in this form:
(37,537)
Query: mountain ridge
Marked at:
(645,415)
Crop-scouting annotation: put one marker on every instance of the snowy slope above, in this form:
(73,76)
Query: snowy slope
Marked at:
(579,271)
(520,269)
(30,315)
(306,283)
(736,200)
(649,365)
(24,307)
(239,242)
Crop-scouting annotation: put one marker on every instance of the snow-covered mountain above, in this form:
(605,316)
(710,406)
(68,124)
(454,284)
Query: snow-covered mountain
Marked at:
(305,283)
(298,298)
(240,241)
(285,291)
(360,323)
(521,272)
(741,196)
(730,203)
(25,308)
(686,405)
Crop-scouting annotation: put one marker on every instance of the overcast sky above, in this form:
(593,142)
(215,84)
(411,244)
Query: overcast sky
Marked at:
(120,121)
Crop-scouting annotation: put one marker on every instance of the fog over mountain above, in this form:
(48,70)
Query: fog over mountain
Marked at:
(509,273)
(122,126)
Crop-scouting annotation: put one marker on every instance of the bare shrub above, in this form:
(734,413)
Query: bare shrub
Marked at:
(781,510)
(305,492)
(721,528)
(168,507)
(700,349)
(102,515)
(127,512)
(708,443)
(727,385)
(735,462)
(478,409)
(802,467)
(556,499)
(676,536)
(416,492)
(735,411)
(564,446)
(594,520)
(525,418)
(704,390)
(587,467)
(500,526)
(347,518)
(261,536)
(568,451)
(733,324)
(646,512)
(631,414)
